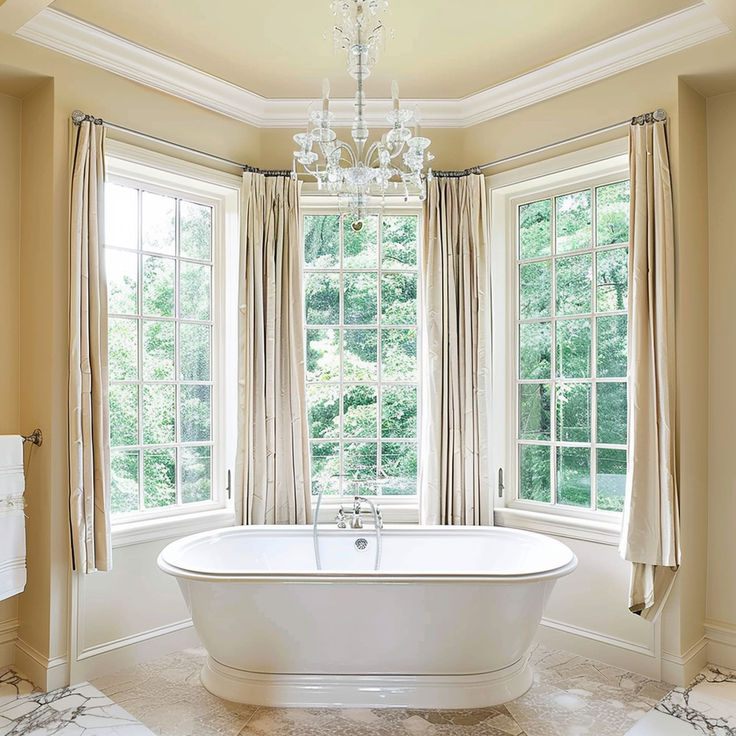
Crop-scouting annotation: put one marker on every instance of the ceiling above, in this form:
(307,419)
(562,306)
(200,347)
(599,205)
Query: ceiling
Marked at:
(440,49)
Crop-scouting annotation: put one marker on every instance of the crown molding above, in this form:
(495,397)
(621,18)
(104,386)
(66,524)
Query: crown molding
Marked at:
(81,40)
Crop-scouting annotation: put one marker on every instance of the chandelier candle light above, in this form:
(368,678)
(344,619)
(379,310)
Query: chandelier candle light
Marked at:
(356,172)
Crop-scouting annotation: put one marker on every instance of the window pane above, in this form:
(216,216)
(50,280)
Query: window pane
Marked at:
(121,216)
(322,297)
(611,479)
(535,229)
(158,223)
(122,281)
(196,474)
(399,242)
(399,355)
(399,299)
(324,410)
(361,299)
(573,221)
(158,286)
(194,352)
(535,289)
(195,411)
(360,411)
(123,480)
(612,279)
(123,415)
(573,476)
(322,241)
(399,463)
(122,349)
(323,355)
(158,415)
(573,348)
(195,289)
(574,284)
(325,457)
(613,213)
(612,413)
(399,412)
(534,476)
(612,350)
(573,412)
(361,248)
(535,350)
(361,355)
(534,411)
(196,230)
(360,462)
(158,350)
(159,478)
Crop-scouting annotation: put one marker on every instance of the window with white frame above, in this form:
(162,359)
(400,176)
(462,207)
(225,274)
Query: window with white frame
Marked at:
(361,339)
(567,301)
(163,247)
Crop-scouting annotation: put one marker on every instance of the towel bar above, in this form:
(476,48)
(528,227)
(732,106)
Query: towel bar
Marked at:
(36,437)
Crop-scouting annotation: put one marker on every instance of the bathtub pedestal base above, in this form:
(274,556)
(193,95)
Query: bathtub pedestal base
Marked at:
(368,691)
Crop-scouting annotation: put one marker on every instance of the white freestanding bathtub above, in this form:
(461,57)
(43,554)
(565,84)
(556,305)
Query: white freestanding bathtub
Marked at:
(446,622)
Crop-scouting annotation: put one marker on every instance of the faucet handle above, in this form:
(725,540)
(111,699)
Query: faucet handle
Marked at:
(379,518)
(341,520)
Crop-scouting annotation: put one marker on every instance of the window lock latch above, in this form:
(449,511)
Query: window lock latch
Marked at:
(500,483)
(229,486)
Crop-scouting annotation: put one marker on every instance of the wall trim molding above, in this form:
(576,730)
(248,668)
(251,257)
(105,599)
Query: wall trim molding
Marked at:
(88,43)
(8,637)
(721,637)
(126,641)
(680,669)
(48,673)
(598,636)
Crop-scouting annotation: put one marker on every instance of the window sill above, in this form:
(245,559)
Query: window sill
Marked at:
(601,532)
(151,530)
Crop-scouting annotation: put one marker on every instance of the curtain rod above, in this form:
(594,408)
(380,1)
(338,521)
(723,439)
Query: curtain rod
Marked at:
(657,115)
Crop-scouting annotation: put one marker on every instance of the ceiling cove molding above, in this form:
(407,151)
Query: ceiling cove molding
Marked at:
(672,33)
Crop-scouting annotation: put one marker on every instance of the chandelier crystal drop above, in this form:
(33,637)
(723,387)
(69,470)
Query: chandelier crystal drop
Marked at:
(357,171)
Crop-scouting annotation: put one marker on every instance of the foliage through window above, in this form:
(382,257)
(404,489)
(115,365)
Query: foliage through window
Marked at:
(361,337)
(159,258)
(572,279)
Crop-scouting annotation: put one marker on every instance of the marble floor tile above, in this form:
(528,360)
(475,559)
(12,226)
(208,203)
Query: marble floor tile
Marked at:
(571,696)
(13,684)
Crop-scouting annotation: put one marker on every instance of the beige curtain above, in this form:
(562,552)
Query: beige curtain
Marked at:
(454,484)
(651,529)
(272,467)
(89,421)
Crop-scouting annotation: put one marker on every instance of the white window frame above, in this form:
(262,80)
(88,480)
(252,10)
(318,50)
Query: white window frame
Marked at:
(593,166)
(394,509)
(155,172)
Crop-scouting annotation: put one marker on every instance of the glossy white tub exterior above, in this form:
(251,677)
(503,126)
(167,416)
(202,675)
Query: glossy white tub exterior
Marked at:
(446,622)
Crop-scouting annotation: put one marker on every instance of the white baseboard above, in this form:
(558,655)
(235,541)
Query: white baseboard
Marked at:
(47,673)
(8,636)
(721,643)
(128,651)
(596,645)
(680,669)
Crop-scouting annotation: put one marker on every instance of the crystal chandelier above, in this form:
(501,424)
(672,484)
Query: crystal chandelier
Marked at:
(357,171)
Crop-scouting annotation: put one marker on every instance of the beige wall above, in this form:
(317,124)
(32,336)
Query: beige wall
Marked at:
(721,609)
(10,109)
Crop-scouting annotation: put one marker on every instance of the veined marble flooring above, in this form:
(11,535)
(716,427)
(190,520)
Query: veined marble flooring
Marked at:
(571,696)
(707,707)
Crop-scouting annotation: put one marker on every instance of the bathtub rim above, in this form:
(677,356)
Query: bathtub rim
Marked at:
(363,576)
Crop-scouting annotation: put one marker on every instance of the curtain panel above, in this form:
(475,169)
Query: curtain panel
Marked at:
(651,526)
(272,465)
(454,482)
(89,421)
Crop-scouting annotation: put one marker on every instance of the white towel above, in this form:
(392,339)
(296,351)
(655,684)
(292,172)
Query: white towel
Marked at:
(12,518)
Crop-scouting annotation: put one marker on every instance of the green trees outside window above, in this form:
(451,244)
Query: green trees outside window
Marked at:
(572,268)
(159,259)
(361,353)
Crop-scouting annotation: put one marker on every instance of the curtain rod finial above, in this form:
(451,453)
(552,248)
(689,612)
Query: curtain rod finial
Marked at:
(659,114)
(77,117)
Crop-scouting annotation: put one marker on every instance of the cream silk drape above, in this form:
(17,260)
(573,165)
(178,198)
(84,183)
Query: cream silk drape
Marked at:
(89,421)
(651,529)
(272,466)
(454,484)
